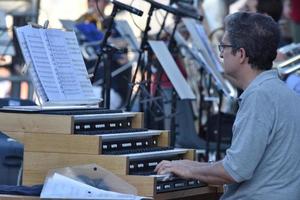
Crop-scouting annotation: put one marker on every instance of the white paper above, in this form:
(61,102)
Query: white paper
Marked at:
(62,187)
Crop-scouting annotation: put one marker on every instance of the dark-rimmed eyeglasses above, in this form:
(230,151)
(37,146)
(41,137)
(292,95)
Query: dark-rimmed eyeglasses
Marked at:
(221,47)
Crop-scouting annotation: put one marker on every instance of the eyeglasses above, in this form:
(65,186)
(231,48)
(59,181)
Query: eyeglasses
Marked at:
(221,47)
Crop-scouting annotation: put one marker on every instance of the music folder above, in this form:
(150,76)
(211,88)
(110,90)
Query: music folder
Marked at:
(169,65)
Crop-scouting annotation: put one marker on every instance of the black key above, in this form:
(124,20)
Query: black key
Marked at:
(113,131)
(80,111)
(141,150)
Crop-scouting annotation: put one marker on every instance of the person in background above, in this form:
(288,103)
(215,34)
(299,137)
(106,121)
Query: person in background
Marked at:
(276,12)
(92,25)
(263,160)
(272,8)
(295,18)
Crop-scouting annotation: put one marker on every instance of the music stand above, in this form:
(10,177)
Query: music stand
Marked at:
(181,87)
(126,32)
(205,55)
(208,57)
(166,60)
(67,24)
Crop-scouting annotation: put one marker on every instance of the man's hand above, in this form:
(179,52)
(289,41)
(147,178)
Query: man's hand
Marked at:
(167,167)
(181,168)
(212,173)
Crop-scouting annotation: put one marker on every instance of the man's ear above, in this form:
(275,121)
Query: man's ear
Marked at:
(242,54)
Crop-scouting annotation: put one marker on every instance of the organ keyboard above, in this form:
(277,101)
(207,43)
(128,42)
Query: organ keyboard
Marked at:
(116,141)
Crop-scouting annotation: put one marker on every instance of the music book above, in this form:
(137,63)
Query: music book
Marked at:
(56,66)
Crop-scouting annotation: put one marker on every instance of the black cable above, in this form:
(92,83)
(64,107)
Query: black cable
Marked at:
(156,17)
(132,18)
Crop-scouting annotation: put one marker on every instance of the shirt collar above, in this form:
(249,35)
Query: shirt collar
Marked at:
(262,77)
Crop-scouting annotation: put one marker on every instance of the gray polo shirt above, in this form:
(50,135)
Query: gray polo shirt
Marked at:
(264,158)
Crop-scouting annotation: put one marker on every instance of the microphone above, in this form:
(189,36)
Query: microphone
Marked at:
(188,10)
(162,6)
(130,9)
(174,11)
(190,2)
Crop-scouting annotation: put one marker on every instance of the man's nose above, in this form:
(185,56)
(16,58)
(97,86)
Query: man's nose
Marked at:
(221,54)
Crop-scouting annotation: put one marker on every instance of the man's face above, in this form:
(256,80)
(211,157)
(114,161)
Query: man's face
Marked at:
(231,61)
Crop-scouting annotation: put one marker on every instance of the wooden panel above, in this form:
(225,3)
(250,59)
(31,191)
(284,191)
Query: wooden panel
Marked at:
(38,164)
(15,197)
(144,184)
(61,143)
(33,177)
(36,123)
(17,136)
(190,155)
(138,121)
(164,139)
(211,196)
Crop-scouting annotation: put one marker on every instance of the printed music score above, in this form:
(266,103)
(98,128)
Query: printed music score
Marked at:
(56,65)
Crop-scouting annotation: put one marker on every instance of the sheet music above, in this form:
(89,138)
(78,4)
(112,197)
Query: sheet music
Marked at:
(26,55)
(58,70)
(42,63)
(78,65)
(69,86)
(161,51)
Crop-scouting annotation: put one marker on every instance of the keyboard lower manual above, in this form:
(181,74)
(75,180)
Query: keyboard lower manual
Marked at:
(176,184)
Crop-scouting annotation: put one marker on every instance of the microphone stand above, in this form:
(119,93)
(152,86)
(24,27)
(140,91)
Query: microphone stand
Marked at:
(162,26)
(143,47)
(107,50)
(171,47)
